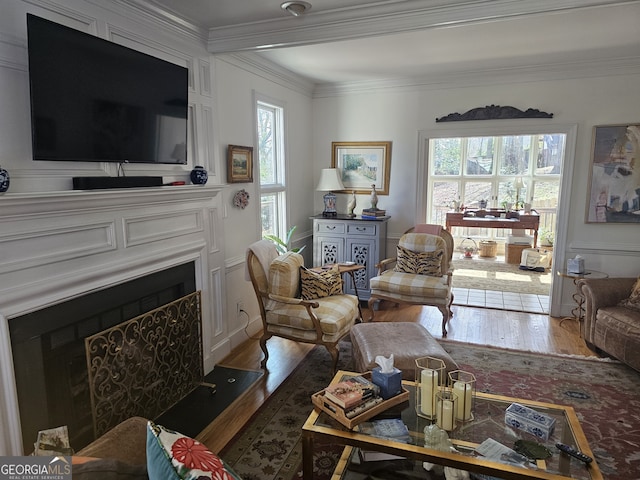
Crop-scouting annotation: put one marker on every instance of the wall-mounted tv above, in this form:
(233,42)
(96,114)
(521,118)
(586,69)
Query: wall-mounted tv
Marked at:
(95,101)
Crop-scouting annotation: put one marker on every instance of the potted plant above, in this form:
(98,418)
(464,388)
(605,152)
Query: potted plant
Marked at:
(284,246)
(546,237)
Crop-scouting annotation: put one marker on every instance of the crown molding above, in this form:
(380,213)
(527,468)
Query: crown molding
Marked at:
(522,74)
(271,71)
(379,19)
(163,18)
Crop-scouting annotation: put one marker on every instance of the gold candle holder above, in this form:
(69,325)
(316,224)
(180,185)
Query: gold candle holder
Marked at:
(430,377)
(463,384)
(446,407)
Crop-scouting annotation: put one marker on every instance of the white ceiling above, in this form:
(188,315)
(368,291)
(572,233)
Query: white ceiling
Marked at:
(362,40)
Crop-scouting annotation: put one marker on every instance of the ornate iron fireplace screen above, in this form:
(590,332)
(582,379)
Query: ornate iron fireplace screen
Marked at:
(145,365)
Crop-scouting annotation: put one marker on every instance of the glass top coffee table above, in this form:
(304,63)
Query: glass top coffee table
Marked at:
(488,422)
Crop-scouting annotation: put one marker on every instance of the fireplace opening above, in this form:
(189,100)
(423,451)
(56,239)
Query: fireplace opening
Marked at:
(49,353)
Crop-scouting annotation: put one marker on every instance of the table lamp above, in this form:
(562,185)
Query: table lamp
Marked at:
(329,181)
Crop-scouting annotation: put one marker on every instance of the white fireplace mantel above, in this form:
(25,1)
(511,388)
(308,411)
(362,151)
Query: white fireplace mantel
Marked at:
(55,246)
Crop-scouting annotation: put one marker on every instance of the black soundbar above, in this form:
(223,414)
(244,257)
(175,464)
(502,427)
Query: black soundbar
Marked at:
(94,183)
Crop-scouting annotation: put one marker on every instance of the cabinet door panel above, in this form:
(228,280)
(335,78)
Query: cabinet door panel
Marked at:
(362,251)
(329,250)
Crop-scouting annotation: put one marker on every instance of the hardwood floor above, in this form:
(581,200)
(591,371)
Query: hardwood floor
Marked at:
(499,328)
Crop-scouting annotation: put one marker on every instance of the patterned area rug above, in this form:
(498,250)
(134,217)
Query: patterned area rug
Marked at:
(491,274)
(606,396)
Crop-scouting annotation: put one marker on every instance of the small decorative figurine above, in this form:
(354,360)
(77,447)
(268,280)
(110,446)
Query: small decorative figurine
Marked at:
(374,197)
(351,206)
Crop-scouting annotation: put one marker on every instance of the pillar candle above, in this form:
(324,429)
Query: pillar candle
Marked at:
(464,392)
(446,415)
(428,388)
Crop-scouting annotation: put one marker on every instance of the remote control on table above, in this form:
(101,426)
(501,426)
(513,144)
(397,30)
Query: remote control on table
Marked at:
(574,453)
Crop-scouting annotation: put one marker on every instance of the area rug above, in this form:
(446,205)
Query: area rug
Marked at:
(606,396)
(490,274)
(198,409)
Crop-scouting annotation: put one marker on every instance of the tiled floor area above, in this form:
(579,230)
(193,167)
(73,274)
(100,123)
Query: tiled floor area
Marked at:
(519,302)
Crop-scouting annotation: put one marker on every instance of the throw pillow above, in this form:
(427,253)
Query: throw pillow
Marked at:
(320,284)
(420,263)
(633,302)
(283,275)
(171,455)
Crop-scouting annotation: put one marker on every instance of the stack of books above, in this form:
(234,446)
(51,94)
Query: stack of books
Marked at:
(354,395)
(373,213)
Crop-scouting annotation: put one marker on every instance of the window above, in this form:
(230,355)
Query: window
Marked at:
(270,153)
(503,171)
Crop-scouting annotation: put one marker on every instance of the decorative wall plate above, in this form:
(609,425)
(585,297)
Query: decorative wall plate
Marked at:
(241,199)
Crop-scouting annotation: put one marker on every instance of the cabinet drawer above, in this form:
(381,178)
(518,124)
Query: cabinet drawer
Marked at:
(331,227)
(362,229)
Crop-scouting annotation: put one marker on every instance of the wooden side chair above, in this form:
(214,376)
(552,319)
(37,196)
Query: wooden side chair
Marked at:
(420,274)
(299,304)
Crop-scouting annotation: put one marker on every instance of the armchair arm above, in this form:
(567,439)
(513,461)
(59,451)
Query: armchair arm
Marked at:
(599,293)
(385,264)
(293,301)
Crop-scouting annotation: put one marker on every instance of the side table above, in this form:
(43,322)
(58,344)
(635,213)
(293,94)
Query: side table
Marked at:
(578,311)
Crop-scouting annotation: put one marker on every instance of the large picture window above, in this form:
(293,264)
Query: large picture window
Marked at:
(495,172)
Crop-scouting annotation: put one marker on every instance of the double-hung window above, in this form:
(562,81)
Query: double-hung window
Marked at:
(271,161)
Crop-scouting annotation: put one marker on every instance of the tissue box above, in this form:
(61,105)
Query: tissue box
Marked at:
(529,420)
(575,265)
(390,383)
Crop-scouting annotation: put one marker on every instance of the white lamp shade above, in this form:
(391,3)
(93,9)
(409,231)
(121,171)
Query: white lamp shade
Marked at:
(329,180)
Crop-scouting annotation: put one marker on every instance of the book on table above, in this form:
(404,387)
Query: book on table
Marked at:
(351,392)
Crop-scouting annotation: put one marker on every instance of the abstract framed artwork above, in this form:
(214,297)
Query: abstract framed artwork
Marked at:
(614,183)
(363,164)
(239,164)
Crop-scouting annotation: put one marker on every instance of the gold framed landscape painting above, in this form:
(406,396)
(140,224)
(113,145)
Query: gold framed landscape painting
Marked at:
(362,164)
(239,164)
(614,193)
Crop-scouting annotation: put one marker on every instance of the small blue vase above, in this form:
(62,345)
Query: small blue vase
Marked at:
(199,175)
(4,180)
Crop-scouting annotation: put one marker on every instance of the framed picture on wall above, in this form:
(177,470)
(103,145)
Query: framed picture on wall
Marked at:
(239,164)
(363,164)
(614,184)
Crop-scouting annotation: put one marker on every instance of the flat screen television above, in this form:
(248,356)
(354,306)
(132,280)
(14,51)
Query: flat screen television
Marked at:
(95,101)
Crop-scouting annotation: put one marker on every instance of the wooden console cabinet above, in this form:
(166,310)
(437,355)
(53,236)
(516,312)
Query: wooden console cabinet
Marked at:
(344,239)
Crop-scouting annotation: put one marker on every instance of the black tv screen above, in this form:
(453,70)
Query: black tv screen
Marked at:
(95,101)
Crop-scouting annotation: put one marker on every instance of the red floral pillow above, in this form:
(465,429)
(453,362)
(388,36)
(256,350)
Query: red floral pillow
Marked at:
(173,455)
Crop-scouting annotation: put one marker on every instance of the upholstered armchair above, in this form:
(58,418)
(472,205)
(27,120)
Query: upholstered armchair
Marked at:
(420,274)
(299,304)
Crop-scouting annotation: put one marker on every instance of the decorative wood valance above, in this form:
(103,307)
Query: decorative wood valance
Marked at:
(494,112)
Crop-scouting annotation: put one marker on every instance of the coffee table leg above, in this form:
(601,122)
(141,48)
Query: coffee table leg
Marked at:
(307,456)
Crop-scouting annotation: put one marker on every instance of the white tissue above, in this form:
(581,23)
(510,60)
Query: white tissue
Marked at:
(385,364)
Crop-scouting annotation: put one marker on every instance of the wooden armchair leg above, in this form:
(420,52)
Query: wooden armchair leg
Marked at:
(335,355)
(444,309)
(263,346)
(371,304)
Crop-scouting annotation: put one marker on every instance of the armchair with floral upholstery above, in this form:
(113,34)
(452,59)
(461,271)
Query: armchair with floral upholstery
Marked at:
(421,274)
(299,304)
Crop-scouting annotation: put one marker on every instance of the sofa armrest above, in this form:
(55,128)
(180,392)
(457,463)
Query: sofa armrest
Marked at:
(126,442)
(599,293)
